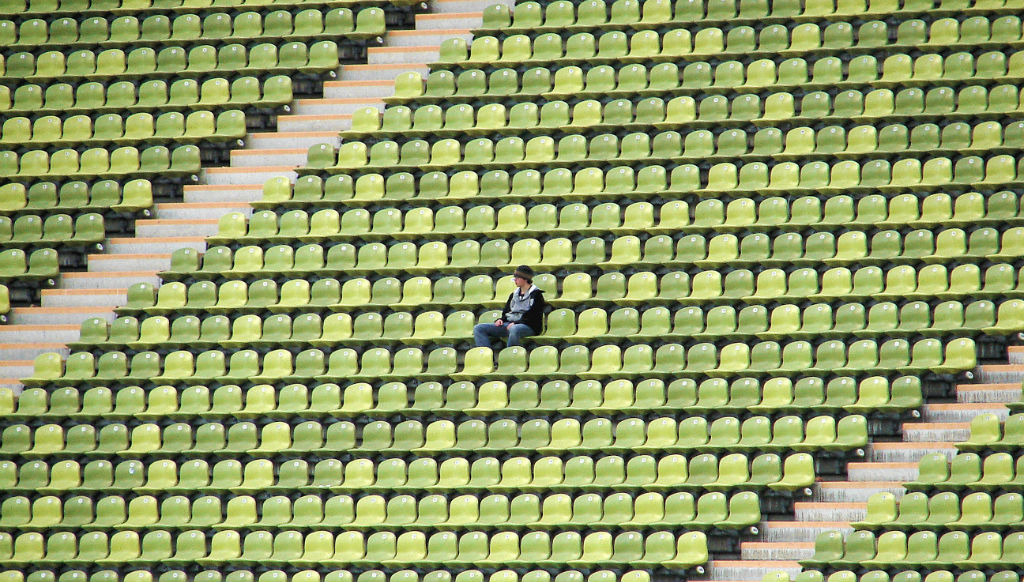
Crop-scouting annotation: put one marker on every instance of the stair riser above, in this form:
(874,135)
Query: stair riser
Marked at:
(344,90)
(43,318)
(88,300)
(155,247)
(924,435)
(789,553)
(1015,356)
(389,57)
(746,573)
(321,107)
(830,513)
(112,282)
(994,396)
(882,474)
(999,376)
(158,230)
(367,73)
(129,263)
(17,372)
(446,6)
(262,158)
(906,455)
(240,194)
(186,212)
(315,123)
(245,177)
(424,38)
(38,335)
(797,533)
(961,415)
(290,142)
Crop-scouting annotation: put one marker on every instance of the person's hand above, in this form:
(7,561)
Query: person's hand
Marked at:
(499,323)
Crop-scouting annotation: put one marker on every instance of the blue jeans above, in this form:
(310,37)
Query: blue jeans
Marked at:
(483,333)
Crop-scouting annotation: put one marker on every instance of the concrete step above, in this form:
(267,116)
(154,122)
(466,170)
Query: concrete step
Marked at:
(155,228)
(39,333)
(443,21)
(854,491)
(822,511)
(336,106)
(291,140)
(776,550)
(58,315)
(799,531)
(83,297)
(906,452)
(420,38)
(456,6)
(246,176)
(224,192)
(304,123)
(390,55)
(165,244)
(355,89)
(129,262)
(15,370)
(382,71)
(743,570)
(1000,373)
(294,157)
(1015,354)
(108,280)
(29,350)
(961,412)
(199,210)
(936,431)
(989,393)
(871,471)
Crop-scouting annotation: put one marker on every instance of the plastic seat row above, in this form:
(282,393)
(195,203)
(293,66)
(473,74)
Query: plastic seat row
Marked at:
(817,320)
(821,434)
(663,549)
(698,76)
(150,95)
(159,29)
(801,143)
(968,471)
(945,510)
(143,62)
(990,432)
(641,360)
(738,214)
(721,178)
(933,575)
(738,40)
(766,472)
(852,248)
(496,397)
(535,16)
(642,288)
(334,575)
(894,550)
(366,187)
(76,196)
(19,269)
(58,230)
(559,510)
(101,162)
(687,112)
(105,7)
(82,130)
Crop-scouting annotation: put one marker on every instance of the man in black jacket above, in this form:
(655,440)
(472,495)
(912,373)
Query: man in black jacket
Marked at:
(523,315)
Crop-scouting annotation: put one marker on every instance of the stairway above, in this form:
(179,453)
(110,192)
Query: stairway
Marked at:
(124,261)
(834,504)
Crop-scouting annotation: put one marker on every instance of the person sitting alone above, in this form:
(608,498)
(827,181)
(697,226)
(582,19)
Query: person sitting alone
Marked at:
(522,317)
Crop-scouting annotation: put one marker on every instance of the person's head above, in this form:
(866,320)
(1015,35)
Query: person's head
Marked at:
(523,276)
